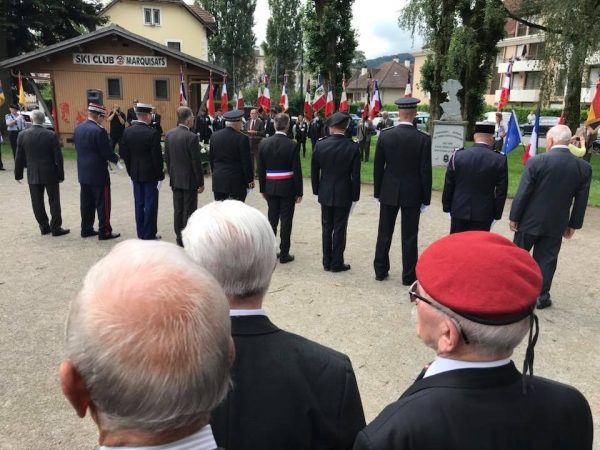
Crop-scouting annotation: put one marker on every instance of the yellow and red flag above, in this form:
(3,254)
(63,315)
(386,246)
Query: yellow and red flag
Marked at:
(22,94)
(593,118)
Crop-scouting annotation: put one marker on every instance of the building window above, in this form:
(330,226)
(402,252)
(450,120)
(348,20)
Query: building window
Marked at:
(533,80)
(161,89)
(114,87)
(535,50)
(175,45)
(151,16)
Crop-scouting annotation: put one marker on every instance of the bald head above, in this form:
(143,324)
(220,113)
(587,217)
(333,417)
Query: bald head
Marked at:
(407,114)
(558,135)
(149,335)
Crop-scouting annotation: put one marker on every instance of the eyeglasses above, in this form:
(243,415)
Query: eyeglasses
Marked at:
(413,298)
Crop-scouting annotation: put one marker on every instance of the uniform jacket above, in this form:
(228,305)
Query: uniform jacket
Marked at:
(182,155)
(38,149)
(315,129)
(218,124)
(301,131)
(402,168)
(288,393)
(550,184)
(335,171)
(142,154)
(364,130)
(383,124)
(156,124)
(269,127)
(280,153)
(474,409)
(230,161)
(476,184)
(203,128)
(131,115)
(93,153)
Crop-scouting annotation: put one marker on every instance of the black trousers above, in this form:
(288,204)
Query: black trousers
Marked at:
(302,144)
(314,142)
(114,140)
(185,202)
(459,225)
(545,253)
(409,230)
(95,199)
(12,137)
(229,196)
(334,222)
(282,208)
(39,208)
(365,150)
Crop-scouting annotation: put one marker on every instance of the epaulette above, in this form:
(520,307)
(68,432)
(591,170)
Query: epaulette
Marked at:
(426,133)
(388,128)
(324,137)
(453,155)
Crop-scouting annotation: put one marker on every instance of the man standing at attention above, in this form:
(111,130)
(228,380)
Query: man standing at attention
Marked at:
(155,122)
(301,132)
(117,121)
(402,183)
(541,213)
(499,134)
(476,184)
(141,152)
(280,178)
(335,176)
(364,138)
(39,151)
(131,113)
(230,161)
(255,128)
(93,154)
(14,125)
(184,164)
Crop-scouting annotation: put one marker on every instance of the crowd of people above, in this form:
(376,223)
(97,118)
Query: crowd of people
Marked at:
(155,359)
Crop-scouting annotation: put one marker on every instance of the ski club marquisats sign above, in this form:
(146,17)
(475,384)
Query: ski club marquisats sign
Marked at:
(96,59)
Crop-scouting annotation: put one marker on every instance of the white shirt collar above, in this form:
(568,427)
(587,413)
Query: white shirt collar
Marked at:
(200,440)
(560,146)
(441,365)
(247,312)
(281,132)
(338,133)
(481,142)
(406,123)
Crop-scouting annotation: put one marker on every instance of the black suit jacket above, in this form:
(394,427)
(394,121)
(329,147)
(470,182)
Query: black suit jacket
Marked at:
(335,171)
(156,124)
(182,155)
(476,184)
(38,149)
(552,182)
(218,124)
(288,393)
(140,150)
(280,153)
(203,128)
(475,409)
(402,168)
(93,153)
(301,131)
(269,127)
(131,115)
(230,162)
(315,129)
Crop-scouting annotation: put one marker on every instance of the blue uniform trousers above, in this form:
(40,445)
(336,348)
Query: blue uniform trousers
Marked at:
(145,195)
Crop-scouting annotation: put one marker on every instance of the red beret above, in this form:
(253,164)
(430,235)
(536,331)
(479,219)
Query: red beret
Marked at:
(480,275)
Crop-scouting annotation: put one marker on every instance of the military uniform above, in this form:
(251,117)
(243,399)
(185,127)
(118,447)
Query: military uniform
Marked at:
(476,186)
(402,182)
(315,131)
(93,153)
(230,161)
(14,125)
(335,176)
(141,152)
(301,130)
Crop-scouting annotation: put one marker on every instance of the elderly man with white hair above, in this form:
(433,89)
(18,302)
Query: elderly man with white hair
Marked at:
(148,349)
(289,393)
(550,204)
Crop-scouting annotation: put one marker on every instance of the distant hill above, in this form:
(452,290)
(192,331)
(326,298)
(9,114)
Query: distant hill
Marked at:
(401,57)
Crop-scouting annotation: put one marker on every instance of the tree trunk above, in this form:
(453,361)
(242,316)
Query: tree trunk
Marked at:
(574,83)
(5,77)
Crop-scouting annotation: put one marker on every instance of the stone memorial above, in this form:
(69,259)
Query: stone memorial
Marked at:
(450,131)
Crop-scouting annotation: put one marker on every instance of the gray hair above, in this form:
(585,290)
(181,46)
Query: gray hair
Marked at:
(38,117)
(560,133)
(149,333)
(282,120)
(184,114)
(235,243)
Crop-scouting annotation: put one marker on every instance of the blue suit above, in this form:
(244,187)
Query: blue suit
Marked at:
(93,153)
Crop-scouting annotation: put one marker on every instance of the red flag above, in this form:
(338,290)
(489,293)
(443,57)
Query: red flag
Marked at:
(240,100)
(329,106)
(376,103)
(505,93)
(224,100)
(259,100)
(283,101)
(210,104)
(307,107)
(266,98)
(344,99)
(561,120)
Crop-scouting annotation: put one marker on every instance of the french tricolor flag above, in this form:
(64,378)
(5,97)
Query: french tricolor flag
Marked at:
(532,147)
(376,102)
(329,107)
(505,94)
(344,99)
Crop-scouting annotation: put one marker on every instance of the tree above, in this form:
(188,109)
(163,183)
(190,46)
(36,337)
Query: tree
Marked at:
(232,46)
(330,39)
(284,35)
(359,60)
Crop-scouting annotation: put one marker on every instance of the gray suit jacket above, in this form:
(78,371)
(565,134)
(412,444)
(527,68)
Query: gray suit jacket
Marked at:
(38,149)
(182,155)
(551,183)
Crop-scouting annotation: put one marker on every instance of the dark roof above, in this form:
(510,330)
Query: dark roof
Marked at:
(195,10)
(390,75)
(109,31)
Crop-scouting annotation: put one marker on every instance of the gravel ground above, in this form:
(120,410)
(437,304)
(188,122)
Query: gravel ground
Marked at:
(351,312)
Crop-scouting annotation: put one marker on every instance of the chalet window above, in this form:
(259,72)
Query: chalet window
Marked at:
(114,87)
(152,16)
(175,45)
(161,89)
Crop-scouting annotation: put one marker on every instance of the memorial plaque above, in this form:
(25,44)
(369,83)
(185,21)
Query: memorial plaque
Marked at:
(447,136)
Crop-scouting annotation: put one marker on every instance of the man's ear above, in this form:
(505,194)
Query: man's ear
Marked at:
(74,388)
(449,336)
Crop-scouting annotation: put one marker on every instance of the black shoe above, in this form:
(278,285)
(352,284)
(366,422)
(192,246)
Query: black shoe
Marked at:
(382,277)
(110,236)
(278,254)
(85,234)
(45,232)
(286,259)
(326,269)
(2,168)
(61,232)
(407,283)
(543,304)
(342,269)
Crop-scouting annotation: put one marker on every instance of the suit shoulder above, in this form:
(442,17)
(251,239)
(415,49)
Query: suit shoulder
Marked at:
(560,393)
(312,350)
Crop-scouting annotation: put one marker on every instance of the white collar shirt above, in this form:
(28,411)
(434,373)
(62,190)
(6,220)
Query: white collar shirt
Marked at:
(440,365)
(247,312)
(201,440)
(406,123)
(281,132)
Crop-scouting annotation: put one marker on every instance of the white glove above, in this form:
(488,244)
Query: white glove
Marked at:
(249,191)
(424,208)
(494,222)
(377,202)
(159,185)
(131,181)
(449,216)
(119,165)
(352,207)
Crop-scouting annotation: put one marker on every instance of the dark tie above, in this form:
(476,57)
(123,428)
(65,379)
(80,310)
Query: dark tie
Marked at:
(252,125)
(152,117)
